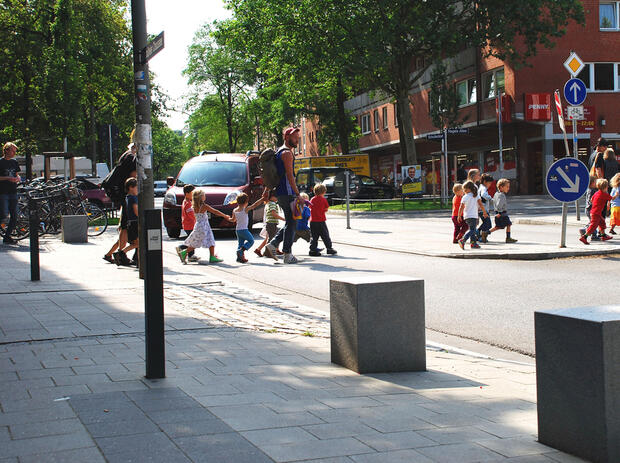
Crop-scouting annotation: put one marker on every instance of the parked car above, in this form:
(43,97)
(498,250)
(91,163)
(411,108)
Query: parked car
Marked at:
(159,188)
(363,187)
(222,177)
(332,177)
(94,193)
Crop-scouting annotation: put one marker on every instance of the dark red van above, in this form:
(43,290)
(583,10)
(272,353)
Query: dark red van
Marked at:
(222,177)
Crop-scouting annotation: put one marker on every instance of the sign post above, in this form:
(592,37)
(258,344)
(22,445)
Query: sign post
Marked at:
(347,182)
(499,130)
(567,180)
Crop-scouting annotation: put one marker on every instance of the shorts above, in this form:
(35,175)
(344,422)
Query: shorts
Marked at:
(615,216)
(272,230)
(303,234)
(502,221)
(123,221)
(132,231)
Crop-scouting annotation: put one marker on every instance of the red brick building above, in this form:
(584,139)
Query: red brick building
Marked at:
(531,136)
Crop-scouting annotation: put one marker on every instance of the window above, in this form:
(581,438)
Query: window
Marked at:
(365,123)
(601,77)
(220,173)
(466,90)
(608,16)
(493,83)
(584,75)
(385,118)
(375,116)
(395,116)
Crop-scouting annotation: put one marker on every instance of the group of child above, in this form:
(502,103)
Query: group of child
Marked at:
(472,202)
(195,223)
(598,201)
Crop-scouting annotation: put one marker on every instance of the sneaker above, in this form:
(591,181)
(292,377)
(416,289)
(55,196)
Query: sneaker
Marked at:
(606,238)
(596,238)
(611,232)
(215,260)
(314,253)
(455,241)
(279,253)
(270,251)
(108,259)
(241,257)
(582,231)
(9,240)
(193,258)
(462,244)
(182,253)
(483,237)
(332,252)
(584,239)
(258,253)
(475,246)
(511,240)
(290,259)
(120,258)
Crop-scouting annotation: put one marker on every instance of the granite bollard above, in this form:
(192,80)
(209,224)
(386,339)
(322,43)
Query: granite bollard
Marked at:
(74,228)
(377,323)
(578,381)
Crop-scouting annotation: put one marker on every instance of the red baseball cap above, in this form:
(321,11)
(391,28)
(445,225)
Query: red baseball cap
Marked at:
(290,131)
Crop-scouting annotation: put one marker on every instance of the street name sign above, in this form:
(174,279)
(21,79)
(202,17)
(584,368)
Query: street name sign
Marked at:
(567,180)
(575,92)
(574,65)
(439,136)
(153,47)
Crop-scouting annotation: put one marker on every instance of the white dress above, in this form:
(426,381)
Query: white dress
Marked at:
(201,236)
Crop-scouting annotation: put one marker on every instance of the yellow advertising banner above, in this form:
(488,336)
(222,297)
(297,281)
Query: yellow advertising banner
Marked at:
(412,188)
(358,163)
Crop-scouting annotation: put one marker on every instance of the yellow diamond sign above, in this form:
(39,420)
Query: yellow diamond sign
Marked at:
(574,64)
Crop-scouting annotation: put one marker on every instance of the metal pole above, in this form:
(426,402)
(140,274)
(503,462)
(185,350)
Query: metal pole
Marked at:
(142,101)
(444,164)
(576,155)
(110,146)
(348,196)
(65,147)
(564,217)
(35,270)
(150,240)
(501,137)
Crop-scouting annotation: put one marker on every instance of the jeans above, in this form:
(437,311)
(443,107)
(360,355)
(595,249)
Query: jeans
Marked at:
(471,234)
(245,239)
(485,226)
(8,206)
(319,230)
(286,233)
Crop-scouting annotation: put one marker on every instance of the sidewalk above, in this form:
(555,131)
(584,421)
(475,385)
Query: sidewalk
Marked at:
(243,384)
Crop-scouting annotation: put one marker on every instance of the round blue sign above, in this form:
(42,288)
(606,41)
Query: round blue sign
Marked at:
(567,180)
(575,91)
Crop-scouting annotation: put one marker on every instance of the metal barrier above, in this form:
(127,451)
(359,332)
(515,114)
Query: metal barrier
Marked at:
(375,204)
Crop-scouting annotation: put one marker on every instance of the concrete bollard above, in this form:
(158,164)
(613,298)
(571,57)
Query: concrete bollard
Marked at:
(377,324)
(74,228)
(578,381)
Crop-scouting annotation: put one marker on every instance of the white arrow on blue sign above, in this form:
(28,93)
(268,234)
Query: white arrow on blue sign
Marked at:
(575,92)
(567,180)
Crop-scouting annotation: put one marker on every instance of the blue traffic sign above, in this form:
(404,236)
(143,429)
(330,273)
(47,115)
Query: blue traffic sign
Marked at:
(575,92)
(567,180)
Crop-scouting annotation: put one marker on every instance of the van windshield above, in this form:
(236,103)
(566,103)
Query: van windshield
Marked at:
(214,174)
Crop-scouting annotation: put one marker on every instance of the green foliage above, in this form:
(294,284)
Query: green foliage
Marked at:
(444,99)
(168,152)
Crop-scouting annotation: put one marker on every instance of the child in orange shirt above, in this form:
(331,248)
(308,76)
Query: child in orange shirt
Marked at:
(188,219)
(460,227)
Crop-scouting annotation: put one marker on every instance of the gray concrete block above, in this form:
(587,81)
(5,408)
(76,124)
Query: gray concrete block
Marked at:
(74,228)
(578,381)
(377,324)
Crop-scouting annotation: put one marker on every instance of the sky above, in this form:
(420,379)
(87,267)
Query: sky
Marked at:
(179,20)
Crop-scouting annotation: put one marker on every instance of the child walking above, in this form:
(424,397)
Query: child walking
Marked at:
(599,201)
(271,221)
(318,227)
(460,227)
(483,195)
(615,203)
(188,219)
(500,202)
(589,194)
(303,229)
(242,219)
(469,212)
(202,235)
(131,208)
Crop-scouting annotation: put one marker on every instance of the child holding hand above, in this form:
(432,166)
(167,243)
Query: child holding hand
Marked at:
(500,202)
(460,227)
(599,201)
(469,212)
(271,220)
(242,219)
(318,225)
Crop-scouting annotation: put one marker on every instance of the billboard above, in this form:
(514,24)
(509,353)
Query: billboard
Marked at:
(412,180)
(358,163)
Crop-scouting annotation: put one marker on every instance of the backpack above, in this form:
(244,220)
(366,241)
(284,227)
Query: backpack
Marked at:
(114,183)
(268,168)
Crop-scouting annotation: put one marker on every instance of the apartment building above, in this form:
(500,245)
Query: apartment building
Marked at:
(531,137)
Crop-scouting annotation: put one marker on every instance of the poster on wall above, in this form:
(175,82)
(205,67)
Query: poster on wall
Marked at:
(412,180)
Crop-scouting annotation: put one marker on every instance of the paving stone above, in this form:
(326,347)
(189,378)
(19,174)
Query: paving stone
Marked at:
(463,453)
(240,399)
(251,417)
(195,428)
(47,444)
(337,430)
(278,436)
(396,456)
(162,455)
(181,416)
(315,449)
(516,446)
(45,373)
(148,443)
(30,430)
(229,447)
(89,454)
(562,457)
(395,440)
(57,411)
(122,428)
(455,435)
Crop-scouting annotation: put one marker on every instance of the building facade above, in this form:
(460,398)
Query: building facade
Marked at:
(531,137)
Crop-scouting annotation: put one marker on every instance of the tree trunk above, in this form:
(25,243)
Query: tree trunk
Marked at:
(93,140)
(408,151)
(343,126)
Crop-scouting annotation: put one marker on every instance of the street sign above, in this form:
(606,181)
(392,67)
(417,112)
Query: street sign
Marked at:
(439,136)
(574,64)
(153,47)
(575,92)
(435,136)
(567,180)
(558,107)
(575,113)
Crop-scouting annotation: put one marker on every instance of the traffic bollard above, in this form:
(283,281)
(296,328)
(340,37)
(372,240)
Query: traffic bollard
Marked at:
(153,295)
(35,270)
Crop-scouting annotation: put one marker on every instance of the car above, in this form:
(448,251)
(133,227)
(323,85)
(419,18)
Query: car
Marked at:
(94,193)
(222,176)
(332,177)
(364,187)
(159,188)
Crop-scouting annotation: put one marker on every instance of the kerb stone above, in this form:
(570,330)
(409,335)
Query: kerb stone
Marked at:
(377,324)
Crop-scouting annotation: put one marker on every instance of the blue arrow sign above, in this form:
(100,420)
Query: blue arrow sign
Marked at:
(575,92)
(567,180)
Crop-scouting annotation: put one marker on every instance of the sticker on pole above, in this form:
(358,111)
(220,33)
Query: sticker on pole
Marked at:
(567,180)
(153,240)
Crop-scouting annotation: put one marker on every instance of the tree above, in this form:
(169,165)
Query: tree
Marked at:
(168,155)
